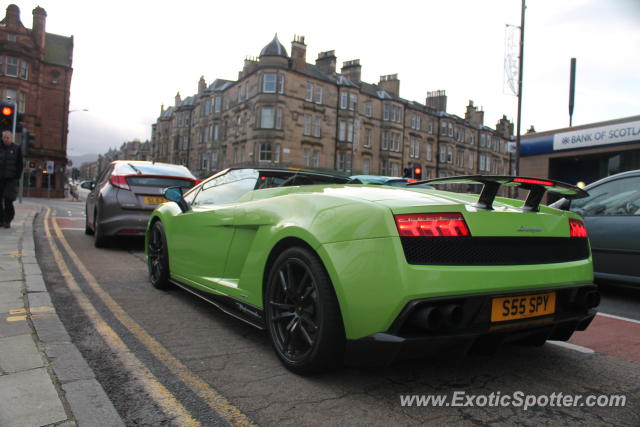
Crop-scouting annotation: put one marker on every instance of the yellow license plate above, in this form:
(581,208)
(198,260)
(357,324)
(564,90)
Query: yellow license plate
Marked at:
(154,200)
(522,306)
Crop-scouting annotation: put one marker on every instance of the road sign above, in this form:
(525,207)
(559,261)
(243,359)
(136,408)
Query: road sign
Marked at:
(50,166)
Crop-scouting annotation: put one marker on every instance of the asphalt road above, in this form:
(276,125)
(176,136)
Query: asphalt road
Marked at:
(168,358)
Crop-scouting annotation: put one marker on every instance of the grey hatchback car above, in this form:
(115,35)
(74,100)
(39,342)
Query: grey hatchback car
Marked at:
(612,217)
(124,195)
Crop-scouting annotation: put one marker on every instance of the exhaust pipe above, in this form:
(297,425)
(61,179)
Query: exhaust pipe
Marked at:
(592,299)
(452,314)
(428,318)
(588,299)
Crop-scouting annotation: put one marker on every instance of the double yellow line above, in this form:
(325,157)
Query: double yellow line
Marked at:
(165,399)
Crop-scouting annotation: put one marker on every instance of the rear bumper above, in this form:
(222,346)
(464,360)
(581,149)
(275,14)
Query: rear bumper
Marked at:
(126,223)
(474,332)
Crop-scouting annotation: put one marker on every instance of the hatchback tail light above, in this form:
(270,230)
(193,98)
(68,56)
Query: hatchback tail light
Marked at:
(119,181)
(577,228)
(432,224)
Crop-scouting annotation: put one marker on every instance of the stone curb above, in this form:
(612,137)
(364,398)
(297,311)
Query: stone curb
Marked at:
(80,393)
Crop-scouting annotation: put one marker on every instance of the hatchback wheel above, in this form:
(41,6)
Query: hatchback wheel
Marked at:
(99,239)
(87,230)
(302,313)
(158,257)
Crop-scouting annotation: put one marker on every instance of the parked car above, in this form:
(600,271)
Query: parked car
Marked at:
(612,217)
(368,274)
(393,181)
(122,198)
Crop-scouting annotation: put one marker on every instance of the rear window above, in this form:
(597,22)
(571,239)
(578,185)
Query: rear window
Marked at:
(152,181)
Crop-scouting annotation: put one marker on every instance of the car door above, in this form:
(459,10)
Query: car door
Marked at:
(93,196)
(612,217)
(202,236)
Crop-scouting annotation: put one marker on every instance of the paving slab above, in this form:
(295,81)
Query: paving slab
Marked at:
(19,353)
(29,399)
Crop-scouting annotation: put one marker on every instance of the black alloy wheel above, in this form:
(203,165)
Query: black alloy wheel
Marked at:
(302,313)
(99,239)
(158,257)
(87,230)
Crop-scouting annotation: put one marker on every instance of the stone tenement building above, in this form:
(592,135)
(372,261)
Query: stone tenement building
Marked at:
(283,111)
(35,72)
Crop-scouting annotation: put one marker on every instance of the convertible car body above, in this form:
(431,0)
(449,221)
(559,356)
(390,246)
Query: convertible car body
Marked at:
(369,274)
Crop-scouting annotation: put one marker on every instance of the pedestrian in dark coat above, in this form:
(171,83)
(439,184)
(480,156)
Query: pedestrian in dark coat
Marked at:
(10,171)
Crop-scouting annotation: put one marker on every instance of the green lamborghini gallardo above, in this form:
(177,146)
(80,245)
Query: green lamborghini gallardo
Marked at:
(352,273)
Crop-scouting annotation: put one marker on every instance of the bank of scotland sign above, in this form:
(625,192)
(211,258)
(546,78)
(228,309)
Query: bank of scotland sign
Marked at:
(585,138)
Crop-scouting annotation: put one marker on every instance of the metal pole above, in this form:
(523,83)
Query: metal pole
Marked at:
(520,70)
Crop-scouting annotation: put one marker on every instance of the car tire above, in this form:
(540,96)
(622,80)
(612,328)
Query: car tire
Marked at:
(99,239)
(87,230)
(302,313)
(158,257)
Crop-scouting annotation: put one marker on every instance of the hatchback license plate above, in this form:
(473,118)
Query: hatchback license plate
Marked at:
(522,306)
(154,200)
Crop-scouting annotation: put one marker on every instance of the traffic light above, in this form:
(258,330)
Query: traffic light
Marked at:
(417,173)
(407,173)
(7,116)
(31,143)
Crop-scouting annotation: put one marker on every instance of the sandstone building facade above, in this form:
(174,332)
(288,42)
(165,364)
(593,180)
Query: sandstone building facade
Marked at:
(35,72)
(283,111)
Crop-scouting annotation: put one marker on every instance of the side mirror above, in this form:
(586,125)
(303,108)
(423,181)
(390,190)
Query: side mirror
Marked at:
(89,185)
(174,194)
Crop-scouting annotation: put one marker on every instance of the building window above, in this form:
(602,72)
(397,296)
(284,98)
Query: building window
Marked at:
(353,102)
(307,124)
(24,70)
(315,159)
(386,112)
(271,118)
(217,104)
(305,157)
(429,152)
(386,139)
(430,127)
(443,154)
(368,109)
(450,129)
(276,153)
(396,138)
(21,102)
(317,132)
(367,137)
(392,113)
(470,164)
(414,151)
(344,100)
(309,96)
(449,155)
(395,169)
(365,166)
(319,94)
(443,128)
(415,122)
(11,37)
(272,83)
(216,132)
(10,94)
(345,131)
(12,66)
(265,152)
(341,161)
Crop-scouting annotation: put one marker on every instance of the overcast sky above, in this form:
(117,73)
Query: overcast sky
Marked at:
(132,56)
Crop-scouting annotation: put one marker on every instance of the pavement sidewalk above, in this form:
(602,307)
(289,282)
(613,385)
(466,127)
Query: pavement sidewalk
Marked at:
(44,380)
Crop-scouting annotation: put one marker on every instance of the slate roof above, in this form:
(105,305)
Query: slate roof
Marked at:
(274,48)
(58,50)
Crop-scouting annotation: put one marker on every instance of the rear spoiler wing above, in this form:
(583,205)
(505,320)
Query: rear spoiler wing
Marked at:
(492,183)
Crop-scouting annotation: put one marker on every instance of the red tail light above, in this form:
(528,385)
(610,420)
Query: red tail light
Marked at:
(577,228)
(119,181)
(534,181)
(197,181)
(437,224)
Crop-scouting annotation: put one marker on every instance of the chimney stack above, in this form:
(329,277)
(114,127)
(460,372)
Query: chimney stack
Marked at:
(298,53)
(178,99)
(12,18)
(352,70)
(202,85)
(504,127)
(326,62)
(390,84)
(437,100)
(473,115)
(38,27)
